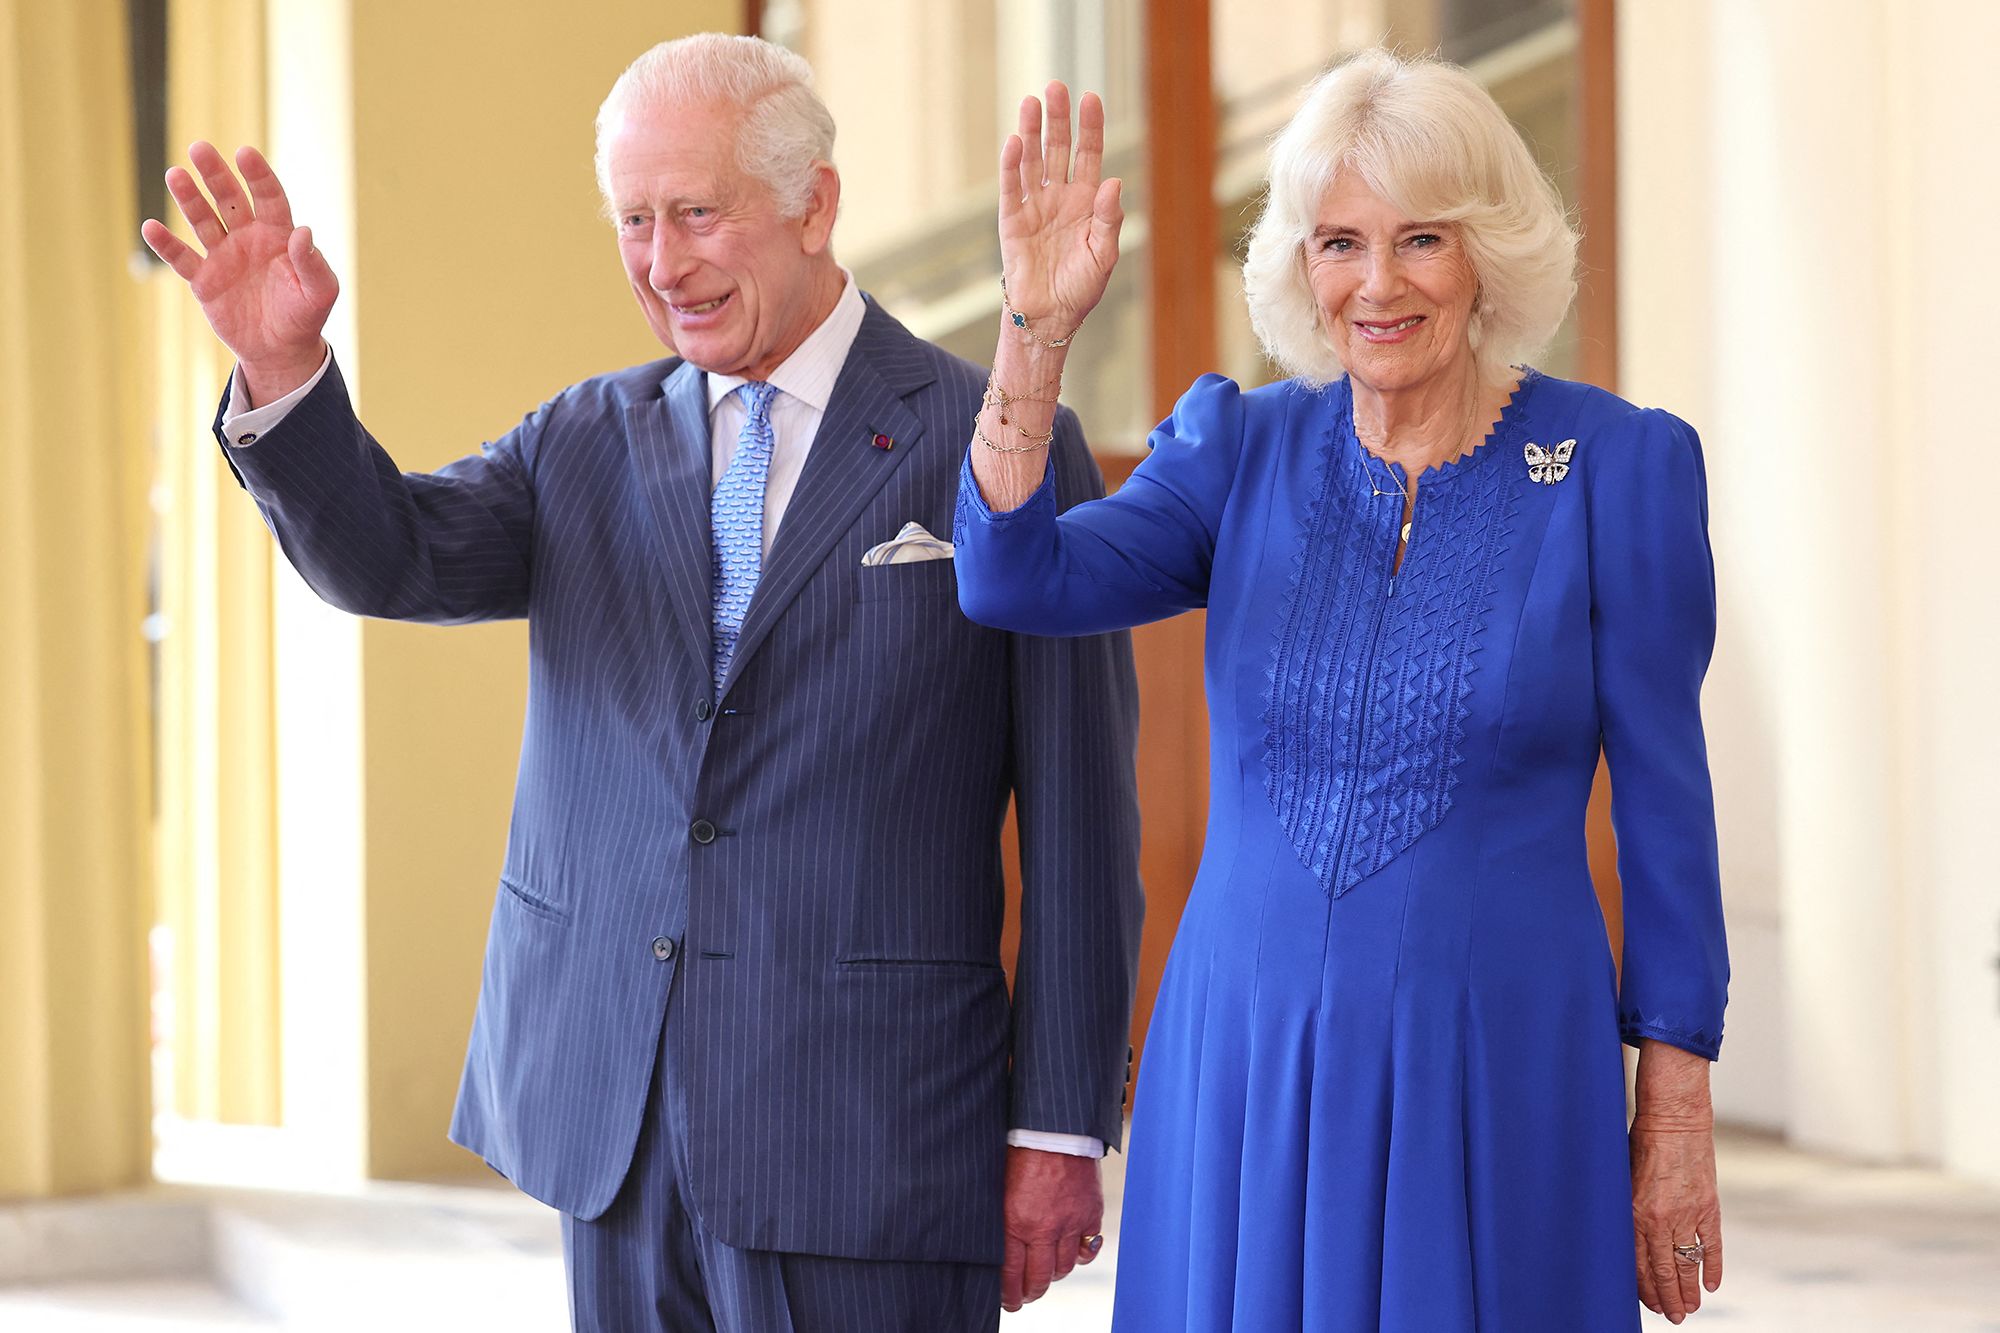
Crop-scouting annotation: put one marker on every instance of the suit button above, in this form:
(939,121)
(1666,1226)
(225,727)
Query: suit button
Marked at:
(703,710)
(663,949)
(703,832)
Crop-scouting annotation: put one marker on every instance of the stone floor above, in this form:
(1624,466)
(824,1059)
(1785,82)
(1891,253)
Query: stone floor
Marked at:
(1815,1246)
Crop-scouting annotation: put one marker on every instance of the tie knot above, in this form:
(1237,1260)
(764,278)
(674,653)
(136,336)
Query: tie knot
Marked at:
(757,396)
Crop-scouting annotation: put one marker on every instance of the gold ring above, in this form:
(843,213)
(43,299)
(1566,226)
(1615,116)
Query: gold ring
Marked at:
(1094,1241)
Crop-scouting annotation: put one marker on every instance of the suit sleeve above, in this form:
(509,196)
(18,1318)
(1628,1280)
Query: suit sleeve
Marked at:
(445,547)
(1138,556)
(1075,714)
(1653,629)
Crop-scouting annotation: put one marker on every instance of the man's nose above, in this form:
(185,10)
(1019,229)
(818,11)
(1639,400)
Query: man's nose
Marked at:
(670,263)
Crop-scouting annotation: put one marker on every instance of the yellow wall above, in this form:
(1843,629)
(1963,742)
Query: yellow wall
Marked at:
(73,882)
(482,280)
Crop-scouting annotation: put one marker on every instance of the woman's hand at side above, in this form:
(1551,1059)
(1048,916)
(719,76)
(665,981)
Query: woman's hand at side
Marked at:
(1674,1200)
(1058,222)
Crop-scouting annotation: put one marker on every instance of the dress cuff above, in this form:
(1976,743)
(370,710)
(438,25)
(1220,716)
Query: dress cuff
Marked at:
(972,504)
(1074,1145)
(1708,1045)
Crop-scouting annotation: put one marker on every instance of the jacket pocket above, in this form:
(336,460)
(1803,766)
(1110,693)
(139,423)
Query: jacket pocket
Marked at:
(962,965)
(533,902)
(918,578)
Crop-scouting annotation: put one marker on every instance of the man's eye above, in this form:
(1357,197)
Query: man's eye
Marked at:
(697,213)
(632,221)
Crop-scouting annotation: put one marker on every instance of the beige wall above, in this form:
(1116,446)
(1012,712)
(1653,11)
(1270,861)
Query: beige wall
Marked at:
(445,164)
(1806,192)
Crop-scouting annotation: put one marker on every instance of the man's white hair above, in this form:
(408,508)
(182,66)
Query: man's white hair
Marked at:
(785,129)
(1433,143)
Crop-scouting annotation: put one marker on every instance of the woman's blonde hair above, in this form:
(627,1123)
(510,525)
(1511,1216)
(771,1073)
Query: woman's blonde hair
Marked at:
(1434,144)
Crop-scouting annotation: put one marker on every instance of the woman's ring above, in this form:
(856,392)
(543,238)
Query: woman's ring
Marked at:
(1689,1254)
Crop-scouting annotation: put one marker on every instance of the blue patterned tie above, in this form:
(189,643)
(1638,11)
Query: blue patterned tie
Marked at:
(736,514)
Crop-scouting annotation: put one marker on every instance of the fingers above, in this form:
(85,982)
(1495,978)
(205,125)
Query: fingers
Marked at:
(1055,157)
(267,196)
(1010,176)
(1039,1271)
(194,206)
(1648,1295)
(1032,171)
(1067,1247)
(1711,1257)
(1013,1262)
(230,202)
(1687,1279)
(1089,1247)
(1089,139)
(175,253)
(1666,1280)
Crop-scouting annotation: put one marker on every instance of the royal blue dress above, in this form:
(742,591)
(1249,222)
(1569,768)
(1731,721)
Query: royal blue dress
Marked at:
(1382,1086)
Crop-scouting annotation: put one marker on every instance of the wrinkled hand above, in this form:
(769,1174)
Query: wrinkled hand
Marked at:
(263,287)
(1054,1200)
(1058,220)
(1674,1202)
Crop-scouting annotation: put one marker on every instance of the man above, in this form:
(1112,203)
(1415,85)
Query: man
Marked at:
(743,1019)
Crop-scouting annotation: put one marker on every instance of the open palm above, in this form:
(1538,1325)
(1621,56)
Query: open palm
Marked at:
(1059,219)
(262,286)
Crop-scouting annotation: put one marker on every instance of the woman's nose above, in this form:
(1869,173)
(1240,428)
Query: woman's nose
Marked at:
(1382,279)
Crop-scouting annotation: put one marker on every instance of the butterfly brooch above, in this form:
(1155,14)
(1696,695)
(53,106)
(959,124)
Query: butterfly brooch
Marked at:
(1549,466)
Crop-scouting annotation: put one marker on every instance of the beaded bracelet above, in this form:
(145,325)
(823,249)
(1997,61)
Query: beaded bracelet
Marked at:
(1020,321)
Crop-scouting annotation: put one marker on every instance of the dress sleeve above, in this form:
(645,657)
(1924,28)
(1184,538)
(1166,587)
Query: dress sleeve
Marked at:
(1140,555)
(1653,629)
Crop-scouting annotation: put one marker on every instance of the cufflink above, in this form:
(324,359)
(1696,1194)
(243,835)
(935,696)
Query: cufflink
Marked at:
(882,442)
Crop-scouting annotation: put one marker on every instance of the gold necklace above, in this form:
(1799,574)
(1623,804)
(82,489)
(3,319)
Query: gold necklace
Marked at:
(1377,491)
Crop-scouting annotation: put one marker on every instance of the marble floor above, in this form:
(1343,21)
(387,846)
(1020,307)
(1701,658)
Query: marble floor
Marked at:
(1815,1246)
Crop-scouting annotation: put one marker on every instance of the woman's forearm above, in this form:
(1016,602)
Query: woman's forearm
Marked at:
(1672,1089)
(1011,456)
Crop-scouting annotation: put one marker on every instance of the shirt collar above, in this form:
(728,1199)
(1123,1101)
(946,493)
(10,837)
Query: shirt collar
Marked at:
(808,374)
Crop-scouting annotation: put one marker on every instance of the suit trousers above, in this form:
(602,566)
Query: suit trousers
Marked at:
(648,1265)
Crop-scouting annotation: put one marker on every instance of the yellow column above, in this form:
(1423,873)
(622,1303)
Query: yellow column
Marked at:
(73,866)
(217,852)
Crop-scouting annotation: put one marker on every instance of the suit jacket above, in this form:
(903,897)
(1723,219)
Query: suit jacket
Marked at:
(815,850)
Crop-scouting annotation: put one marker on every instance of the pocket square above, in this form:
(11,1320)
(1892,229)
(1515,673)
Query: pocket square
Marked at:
(910,545)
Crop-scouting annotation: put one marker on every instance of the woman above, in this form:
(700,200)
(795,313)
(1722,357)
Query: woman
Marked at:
(1382,1083)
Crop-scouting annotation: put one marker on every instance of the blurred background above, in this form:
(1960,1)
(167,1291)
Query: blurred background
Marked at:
(248,845)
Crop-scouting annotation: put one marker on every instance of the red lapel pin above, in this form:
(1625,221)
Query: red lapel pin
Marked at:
(882,441)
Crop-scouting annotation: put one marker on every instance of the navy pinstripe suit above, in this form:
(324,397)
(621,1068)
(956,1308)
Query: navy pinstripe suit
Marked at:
(816,851)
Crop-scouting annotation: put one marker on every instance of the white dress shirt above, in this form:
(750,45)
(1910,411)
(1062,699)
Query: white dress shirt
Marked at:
(804,381)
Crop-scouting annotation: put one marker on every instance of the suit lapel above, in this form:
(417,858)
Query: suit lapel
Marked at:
(843,470)
(671,452)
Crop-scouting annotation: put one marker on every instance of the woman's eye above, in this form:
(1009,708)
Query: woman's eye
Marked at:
(1426,240)
(1337,244)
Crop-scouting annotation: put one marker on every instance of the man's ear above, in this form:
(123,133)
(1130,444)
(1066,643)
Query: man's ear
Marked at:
(821,210)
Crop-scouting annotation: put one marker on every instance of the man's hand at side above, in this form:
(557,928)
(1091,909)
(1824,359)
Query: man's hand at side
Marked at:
(1054,1200)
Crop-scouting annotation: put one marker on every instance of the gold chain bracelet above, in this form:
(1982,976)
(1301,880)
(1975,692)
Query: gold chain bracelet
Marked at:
(1020,321)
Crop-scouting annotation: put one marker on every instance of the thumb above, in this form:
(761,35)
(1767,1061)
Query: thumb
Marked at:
(1106,217)
(315,275)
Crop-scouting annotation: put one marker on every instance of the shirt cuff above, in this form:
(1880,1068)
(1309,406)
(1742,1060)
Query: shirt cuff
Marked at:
(243,424)
(1074,1145)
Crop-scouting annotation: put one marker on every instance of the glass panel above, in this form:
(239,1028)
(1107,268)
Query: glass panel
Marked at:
(1523,51)
(923,94)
